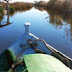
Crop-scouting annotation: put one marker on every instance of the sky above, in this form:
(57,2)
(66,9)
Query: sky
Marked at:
(27,0)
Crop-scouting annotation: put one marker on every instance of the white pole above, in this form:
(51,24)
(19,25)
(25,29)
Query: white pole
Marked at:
(27,28)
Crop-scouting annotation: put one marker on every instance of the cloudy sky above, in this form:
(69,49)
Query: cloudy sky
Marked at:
(27,0)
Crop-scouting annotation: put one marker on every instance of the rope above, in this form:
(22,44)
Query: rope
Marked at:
(32,46)
(47,45)
(66,60)
(61,56)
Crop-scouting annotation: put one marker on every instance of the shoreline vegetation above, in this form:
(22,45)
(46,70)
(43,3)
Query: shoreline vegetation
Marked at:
(21,5)
(62,8)
(16,6)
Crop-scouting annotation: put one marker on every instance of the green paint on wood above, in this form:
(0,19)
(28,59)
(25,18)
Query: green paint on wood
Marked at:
(7,58)
(44,63)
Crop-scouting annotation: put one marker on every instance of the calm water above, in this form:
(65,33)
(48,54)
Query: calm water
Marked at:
(53,30)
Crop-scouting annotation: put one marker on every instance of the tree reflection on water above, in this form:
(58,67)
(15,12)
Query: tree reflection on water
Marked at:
(1,18)
(58,21)
(9,15)
(6,23)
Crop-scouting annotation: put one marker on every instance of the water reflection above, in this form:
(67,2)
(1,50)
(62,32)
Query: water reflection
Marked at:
(59,21)
(71,32)
(18,10)
(22,10)
(46,25)
(1,18)
(10,14)
(6,23)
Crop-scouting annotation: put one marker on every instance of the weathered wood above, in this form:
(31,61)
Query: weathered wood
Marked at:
(44,63)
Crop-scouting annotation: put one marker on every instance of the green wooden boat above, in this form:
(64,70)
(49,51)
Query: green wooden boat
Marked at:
(31,54)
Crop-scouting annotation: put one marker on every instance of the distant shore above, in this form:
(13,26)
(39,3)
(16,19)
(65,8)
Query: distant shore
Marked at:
(62,8)
(15,6)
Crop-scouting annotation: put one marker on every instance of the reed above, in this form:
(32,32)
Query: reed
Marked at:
(59,7)
(63,7)
(21,5)
(41,4)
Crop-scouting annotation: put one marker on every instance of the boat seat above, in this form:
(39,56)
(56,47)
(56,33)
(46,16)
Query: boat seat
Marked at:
(44,63)
(7,58)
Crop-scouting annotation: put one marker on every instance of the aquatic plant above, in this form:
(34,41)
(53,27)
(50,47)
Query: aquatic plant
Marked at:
(11,9)
(1,18)
(1,10)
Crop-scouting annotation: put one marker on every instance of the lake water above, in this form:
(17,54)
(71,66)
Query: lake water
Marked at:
(54,30)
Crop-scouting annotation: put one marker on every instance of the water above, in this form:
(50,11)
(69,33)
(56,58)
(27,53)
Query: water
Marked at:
(55,31)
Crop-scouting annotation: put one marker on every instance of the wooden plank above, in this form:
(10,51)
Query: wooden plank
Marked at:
(44,63)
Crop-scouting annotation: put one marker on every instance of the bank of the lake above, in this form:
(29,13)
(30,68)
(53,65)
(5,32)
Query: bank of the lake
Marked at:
(62,8)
